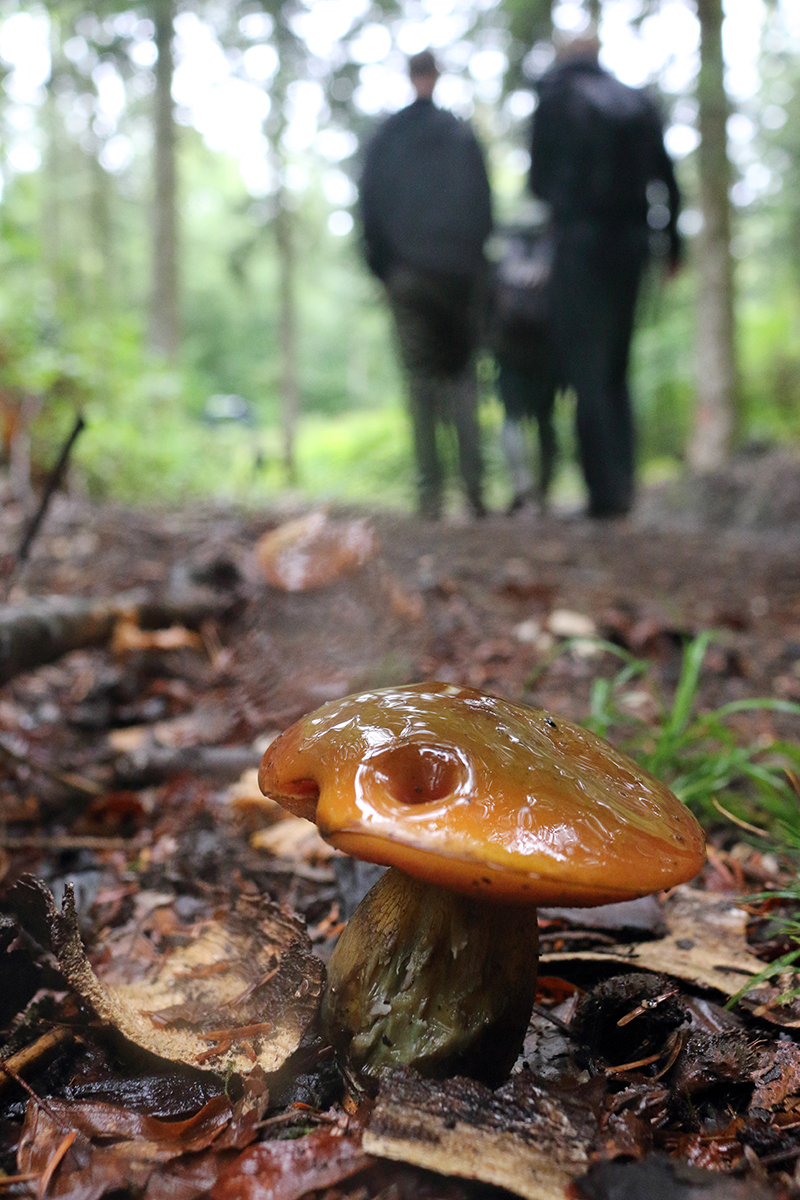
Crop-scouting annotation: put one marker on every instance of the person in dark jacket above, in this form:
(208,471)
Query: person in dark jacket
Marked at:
(598,160)
(426,212)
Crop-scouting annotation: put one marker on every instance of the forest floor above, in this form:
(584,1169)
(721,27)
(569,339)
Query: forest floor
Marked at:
(126,770)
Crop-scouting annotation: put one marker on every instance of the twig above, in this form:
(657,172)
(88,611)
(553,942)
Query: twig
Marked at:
(78,782)
(548,1016)
(23,1059)
(51,483)
(38,1101)
(67,842)
(52,1166)
(646,1006)
(7,1181)
(762,833)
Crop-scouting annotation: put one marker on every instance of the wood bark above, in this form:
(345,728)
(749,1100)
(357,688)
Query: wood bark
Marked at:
(164,333)
(717,384)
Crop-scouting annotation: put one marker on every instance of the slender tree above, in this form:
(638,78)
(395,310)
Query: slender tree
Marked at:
(716,401)
(289,382)
(164,325)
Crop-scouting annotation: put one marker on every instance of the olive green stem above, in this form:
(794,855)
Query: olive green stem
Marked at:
(428,978)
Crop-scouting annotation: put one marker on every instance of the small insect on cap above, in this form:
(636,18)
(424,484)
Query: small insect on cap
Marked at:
(483,796)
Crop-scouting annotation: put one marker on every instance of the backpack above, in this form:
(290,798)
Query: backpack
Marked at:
(622,131)
(521,278)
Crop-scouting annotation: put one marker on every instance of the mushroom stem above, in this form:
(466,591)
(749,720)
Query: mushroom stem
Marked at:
(425,977)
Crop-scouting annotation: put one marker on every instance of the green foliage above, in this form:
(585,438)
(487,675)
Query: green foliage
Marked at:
(75,251)
(697,753)
(528,22)
(147,446)
(148,450)
(709,767)
(663,365)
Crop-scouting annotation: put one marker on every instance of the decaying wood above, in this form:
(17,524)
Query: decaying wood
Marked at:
(240,994)
(533,1147)
(43,629)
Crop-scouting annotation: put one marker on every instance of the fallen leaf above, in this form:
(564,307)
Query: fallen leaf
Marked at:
(294,837)
(313,551)
(705,946)
(251,805)
(111,1149)
(564,623)
(286,1170)
(131,737)
(127,636)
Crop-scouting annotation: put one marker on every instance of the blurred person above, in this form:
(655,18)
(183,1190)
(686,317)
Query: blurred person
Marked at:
(426,213)
(519,338)
(598,160)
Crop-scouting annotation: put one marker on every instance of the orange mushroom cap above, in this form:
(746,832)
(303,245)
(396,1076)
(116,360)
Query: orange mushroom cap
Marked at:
(483,796)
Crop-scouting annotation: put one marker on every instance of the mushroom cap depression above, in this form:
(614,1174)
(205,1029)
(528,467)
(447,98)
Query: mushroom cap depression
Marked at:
(482,796)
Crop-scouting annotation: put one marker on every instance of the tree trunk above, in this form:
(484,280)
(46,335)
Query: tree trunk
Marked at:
(716,403)
(51,175)
(164,338)
(102,232)
(290,391)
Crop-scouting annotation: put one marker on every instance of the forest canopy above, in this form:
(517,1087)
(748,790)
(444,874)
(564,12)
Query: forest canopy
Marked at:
(180,245)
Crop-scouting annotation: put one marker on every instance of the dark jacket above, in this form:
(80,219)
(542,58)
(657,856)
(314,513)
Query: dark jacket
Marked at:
(424,193)
(596,146)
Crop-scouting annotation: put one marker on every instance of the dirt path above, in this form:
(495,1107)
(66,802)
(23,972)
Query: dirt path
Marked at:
(121,773)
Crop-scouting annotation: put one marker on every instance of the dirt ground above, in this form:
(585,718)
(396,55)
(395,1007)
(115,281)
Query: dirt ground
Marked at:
(469,601)
(117,761)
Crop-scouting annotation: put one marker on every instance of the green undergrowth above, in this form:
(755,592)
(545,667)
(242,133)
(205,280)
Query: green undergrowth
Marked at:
(701,754)
(709,764)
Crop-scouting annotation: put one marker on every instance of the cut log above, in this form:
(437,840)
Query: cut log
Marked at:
(43,629)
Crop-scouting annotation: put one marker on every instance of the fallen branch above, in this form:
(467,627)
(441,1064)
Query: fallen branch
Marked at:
(51,483)
(151,764)
(43,629)
(42,1048)
(66,842)
(78,783)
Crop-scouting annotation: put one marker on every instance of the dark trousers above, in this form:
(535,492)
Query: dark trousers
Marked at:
(596,276)
(527,385)
(437,322)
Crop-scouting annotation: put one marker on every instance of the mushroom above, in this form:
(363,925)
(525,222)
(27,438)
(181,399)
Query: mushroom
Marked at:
(482,810)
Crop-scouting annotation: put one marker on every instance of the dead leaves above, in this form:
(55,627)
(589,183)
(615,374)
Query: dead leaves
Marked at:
(287,1170)
(237,991)
(129,636)
(87,1150)
(705,946)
